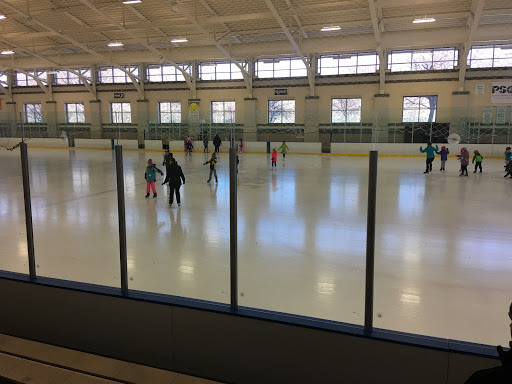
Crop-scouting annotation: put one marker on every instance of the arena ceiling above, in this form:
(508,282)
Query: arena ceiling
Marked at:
(71,33)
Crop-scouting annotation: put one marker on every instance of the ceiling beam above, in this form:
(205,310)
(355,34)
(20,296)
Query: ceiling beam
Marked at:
(376,23)
(213,13)
(297,20)
(311,74)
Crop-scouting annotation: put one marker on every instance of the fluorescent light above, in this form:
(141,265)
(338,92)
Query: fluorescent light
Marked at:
(2,17)
(52,72)
(180,40)
(7,52)
(132,1)
(425,20)
(208,64)
(331,28)
(115,44)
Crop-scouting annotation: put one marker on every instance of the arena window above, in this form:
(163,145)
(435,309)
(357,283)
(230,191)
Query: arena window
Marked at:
(423,60)
(348,64)
(120,113)
(112,75)
(223,112)
(490,56)
(418,109)
(24,80)
(166,73)
(280,68)
(63,77)
(346,110)
(75,113)
(219,71)
(33,113)
(281,111)
(4,79)
(169,112)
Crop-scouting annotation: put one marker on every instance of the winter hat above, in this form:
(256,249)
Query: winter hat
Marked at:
(214,155)
(464,149)
(150,161)
(475,151)
(443,147)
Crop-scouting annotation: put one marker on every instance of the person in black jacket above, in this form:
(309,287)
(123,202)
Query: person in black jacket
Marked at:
(496,375)
(174,177)
(217,142)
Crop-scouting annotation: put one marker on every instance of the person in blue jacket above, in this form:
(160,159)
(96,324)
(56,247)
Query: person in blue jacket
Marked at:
(431,155)
(150,176)
(444,152)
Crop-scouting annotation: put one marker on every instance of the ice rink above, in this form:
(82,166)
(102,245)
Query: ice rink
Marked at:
(443,242)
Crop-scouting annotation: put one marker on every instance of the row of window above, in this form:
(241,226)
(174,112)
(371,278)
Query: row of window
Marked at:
(344,64)
(415,109)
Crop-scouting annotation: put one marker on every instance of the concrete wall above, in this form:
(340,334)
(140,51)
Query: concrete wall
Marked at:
(218,345)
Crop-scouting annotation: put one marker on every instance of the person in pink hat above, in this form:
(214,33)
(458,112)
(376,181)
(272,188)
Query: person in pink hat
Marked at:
(464,161)
(444,156)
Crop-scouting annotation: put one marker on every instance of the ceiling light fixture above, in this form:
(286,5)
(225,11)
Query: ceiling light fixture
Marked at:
(179,40)
(331,28)
(132,1)
(7,52)
(424,20)
(116,44)
(52,73)
(3,17)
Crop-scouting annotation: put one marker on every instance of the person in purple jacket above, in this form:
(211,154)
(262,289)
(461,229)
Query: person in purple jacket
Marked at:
(444,152)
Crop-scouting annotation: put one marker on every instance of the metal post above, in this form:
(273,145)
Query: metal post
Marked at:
(28,212)
(233,237)
(122,219)
(370,242)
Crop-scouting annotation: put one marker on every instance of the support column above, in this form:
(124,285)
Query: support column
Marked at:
(250,121)
(381,118)
(10,106)
(460,112)
(95,119)
(142,120)
(194,108)
(312,119)
(51,119)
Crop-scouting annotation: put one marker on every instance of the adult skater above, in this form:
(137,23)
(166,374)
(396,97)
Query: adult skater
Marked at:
(431,155)
(174,177)
(167,158)
(284,149)
(205,143)
(444,152)
(217,142)
(508,158)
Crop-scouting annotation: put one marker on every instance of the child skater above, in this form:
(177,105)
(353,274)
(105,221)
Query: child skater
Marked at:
(150,177)
(189,147)
(213,167)
(464,161)
(241,146)
(284,149)
(477,159)
(430,155)
(444,152)
(274,158)
(508,157)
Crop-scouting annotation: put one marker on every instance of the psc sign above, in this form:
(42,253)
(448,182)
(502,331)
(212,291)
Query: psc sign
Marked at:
(502,89)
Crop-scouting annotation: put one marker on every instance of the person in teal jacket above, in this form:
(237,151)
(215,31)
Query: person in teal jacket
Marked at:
(150,177)
(508,157)
(431,155)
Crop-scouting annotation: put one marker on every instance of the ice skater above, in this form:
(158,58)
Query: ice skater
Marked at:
(205,143)
(213,167)
(431,155)
(477,160)
(150,177)
(274,158)
(508,157)
(174,177)
(464,161)
(217,142)
(189,147)
(444,152)
(167,157)
(241,146)
(284,149)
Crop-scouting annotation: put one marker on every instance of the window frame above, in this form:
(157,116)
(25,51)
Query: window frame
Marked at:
(346,110)
(38,119)
(492,59)
(419,109)
(176,74)
(170,113)
(281,111)
(113,74)
(413,64)
(358,67)
(76,112)
(30,81)
(225,112)
(280,68)
(122,113)
(234,72)
(86,72)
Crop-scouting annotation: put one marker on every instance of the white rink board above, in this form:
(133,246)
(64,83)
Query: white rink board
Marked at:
(153,144)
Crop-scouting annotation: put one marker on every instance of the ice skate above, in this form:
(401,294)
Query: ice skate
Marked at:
(147,194)
(154,195)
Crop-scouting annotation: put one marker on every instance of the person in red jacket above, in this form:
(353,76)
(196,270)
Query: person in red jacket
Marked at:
(274,158)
